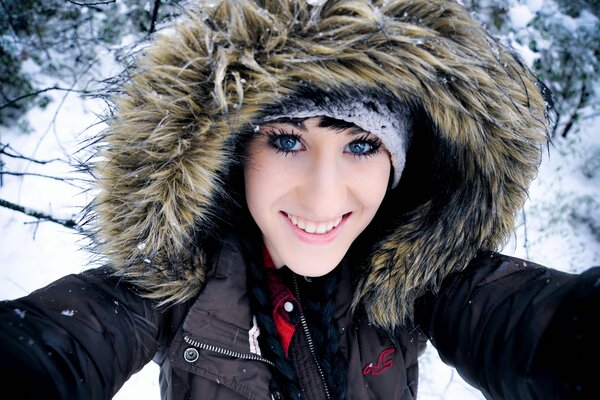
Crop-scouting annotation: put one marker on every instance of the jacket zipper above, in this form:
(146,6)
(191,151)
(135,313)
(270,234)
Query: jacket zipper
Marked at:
(309,339)
(226,352)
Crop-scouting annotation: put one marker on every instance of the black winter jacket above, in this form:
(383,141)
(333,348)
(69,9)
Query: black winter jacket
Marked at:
(509,328)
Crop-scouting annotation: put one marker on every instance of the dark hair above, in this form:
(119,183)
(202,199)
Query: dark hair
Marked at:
(285,378)
(319,307)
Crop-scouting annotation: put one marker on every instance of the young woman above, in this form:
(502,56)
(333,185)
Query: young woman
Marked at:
(294,199)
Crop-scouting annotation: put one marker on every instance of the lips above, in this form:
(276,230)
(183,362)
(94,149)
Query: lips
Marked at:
(314,227)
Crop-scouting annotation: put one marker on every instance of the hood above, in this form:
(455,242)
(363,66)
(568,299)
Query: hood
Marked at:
(479,127)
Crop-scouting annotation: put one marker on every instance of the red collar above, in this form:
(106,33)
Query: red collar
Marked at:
(286,308)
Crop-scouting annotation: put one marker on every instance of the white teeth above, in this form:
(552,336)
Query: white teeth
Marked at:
(314,227)
(322,228)
(330,225)
(311,227)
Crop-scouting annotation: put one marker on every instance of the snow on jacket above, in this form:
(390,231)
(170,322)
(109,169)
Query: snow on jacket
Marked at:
(171,156)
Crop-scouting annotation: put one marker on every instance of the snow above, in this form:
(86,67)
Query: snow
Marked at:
(534,5)
(527,55)
(587,19)
(520,15)
(35,253)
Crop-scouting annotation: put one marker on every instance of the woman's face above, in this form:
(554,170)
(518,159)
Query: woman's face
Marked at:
(312,190)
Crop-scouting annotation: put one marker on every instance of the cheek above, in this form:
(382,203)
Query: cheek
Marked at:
(254,185)
(373,184)
(263,182)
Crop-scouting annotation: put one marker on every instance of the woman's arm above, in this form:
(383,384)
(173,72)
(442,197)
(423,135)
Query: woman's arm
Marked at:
(517,330)
(81,337)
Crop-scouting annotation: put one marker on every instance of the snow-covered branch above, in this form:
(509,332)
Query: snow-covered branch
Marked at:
(69,223)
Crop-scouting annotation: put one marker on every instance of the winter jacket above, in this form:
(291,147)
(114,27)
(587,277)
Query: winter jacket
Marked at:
(507,327)
(168,185)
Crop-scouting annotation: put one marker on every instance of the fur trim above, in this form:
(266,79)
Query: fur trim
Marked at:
(169,149)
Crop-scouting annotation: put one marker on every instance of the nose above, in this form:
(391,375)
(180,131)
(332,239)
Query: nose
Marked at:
(323,189)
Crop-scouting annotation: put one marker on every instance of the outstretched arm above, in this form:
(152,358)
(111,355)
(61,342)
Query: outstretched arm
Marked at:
(81,337)
(517,330)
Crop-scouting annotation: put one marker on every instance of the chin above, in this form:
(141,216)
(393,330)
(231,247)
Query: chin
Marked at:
(313,268)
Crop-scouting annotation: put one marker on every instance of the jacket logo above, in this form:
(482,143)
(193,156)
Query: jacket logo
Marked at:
(382,363)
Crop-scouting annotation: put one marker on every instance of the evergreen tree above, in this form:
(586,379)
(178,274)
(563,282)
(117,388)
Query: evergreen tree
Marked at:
(564,38)
(62,39)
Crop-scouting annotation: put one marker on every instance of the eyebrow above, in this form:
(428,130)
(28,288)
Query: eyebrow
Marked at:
(296,122)
(300,124)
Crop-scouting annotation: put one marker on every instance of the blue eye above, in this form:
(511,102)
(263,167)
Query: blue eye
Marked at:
(359,148)
(288,143)
(366,145)
(285,142)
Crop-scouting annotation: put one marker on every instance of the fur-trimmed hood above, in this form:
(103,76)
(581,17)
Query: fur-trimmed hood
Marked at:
(480,124)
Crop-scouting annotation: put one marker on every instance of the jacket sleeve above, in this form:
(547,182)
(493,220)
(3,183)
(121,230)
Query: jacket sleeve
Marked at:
(518,330)
(81,337)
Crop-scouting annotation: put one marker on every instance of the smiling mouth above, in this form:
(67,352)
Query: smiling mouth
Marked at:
(318,228)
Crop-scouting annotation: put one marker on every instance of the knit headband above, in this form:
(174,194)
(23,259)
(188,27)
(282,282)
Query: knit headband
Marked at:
(388,121)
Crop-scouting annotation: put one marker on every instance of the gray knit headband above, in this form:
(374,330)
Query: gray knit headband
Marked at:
(389,122)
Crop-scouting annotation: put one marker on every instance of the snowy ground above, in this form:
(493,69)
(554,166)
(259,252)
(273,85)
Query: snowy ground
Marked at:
(33,253)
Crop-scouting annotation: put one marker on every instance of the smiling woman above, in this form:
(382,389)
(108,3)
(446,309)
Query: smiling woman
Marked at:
(293,198)
(312,189)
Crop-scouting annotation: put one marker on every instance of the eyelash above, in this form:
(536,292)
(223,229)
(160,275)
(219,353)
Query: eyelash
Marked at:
(373,142)
(274,136)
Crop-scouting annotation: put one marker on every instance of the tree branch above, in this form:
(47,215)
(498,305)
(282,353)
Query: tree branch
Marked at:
(57,178)
(575,114)
(33,94)
(69,223)
(525,236)
(95,3)
(154,16)
(4,149)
